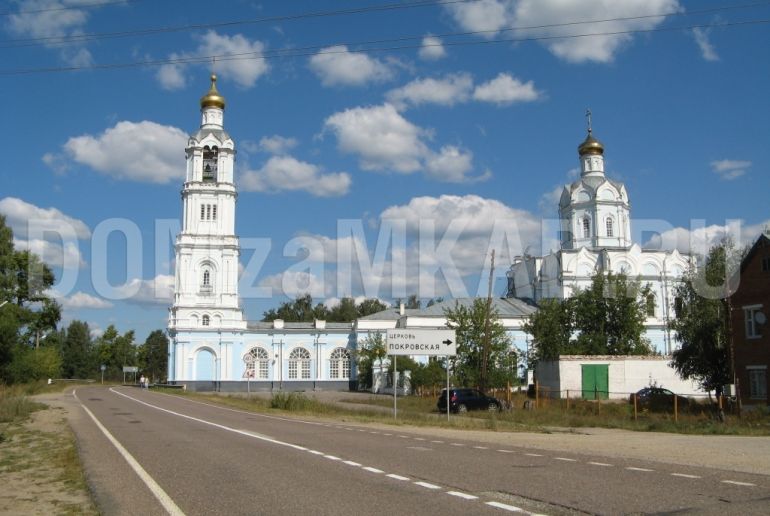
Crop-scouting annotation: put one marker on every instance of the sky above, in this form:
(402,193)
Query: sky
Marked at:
(415,137)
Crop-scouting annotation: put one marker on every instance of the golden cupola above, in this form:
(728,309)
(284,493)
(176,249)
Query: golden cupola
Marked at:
(590,145)
(212,98)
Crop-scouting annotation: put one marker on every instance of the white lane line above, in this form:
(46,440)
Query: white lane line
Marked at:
(481,447)
(397,477)
(464,496)
(438,442)
(331,457)
(506,451)
(603,464)
(351,463)
(457,444)
(736,483)
(505,506)
(315,452)
(684,475)
(419,439)
(565,459)
(533,454)
(387,434)
(372,470)
(631,468)
(404,436)
(427,485)
(157,491)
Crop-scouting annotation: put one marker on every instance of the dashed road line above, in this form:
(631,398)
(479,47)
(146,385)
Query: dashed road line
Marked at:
(331,457)
(604,464)
(464,496)
(684,475)
(631,468)
(372,470)
(565,459)
(533,455)
(316,452)
(457,444)
(505,506)
(481,447)
(438,442)
(427,485)
(506,451)
(736,483)
(351,463)
(398,477)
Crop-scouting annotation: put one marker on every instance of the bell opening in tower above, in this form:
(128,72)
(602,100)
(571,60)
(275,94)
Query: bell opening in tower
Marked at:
(210,156)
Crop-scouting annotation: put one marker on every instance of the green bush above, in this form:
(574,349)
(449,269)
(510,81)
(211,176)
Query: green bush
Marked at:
(15,405)
(295,402)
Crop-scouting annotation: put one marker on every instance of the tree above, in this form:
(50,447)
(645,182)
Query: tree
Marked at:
(470,324)
(344,311)
(299,310)
(607,318)
(370,306)
(76,352)
(153,356)
(701,324)
(370,350)
(429,376)
(114,351)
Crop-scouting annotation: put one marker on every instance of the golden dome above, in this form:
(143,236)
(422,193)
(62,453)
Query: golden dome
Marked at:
(591,145)
(212,98)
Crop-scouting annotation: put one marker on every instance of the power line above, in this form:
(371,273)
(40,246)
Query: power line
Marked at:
(81,38)
(303,52)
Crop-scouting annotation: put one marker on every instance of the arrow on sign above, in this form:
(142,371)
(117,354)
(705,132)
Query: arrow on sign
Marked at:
(447,342)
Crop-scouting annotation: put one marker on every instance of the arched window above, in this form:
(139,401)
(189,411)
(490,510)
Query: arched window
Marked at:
(299,364)
(205,320)
(586,227)
(650,305)
(340,364)
(610,229)
(206,287)
(257,361)
(210,164)
(206,278)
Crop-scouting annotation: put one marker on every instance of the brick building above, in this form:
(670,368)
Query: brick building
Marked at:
(751,328)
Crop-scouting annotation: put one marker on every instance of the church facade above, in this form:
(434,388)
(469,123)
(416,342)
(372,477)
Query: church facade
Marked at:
(595,236)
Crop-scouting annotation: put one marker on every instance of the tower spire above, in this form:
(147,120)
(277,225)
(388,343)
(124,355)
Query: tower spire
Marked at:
(588,119)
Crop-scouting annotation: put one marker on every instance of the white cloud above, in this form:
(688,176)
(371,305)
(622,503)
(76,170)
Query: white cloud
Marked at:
(24,217)
(277,144)
(171,76)
(46,20)
(505,89)
(729,169)
(337,66)
(296,283)
(143,151)
(701,36)
(81,300)
(240,60)
(447,91)
(432,49)
(156,291)
(285,173)
(701,239)
(496,15)
(386,141)
(65,256)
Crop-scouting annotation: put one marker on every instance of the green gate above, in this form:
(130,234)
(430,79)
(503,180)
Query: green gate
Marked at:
(596,381)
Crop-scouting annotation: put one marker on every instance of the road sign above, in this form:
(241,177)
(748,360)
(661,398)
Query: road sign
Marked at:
(102,367)
(421,342)
(130,369)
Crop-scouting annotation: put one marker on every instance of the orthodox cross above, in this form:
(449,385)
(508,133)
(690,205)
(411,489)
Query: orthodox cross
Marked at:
(588,117)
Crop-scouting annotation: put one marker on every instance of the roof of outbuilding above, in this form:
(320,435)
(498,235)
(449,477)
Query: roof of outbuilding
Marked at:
(505,307)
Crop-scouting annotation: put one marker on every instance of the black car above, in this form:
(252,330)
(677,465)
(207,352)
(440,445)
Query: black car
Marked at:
(658,398)
(463,400)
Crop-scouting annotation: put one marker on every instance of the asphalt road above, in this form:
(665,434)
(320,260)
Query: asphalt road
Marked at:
(194,458)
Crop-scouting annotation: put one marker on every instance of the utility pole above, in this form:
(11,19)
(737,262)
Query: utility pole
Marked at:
(485,345)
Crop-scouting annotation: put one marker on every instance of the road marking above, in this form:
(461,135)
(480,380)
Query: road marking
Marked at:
(683,475)
(457,444)
(505,506)
(481,447)
(604,464)
(157,491)
(397,477)
(631,468)
(427,485)
(506,451)
(419,439)
(438,442)
(332,457)
(387,434)
(372,470)
(464,496)
(736,483)
(565,459)
(316,452)
(404,436)
(533,454)
(351,463)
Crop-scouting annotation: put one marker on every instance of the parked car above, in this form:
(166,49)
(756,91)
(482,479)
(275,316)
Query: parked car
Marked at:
(463,400)
(658,398)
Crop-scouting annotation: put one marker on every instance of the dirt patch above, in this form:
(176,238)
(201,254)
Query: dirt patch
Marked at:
(40,469)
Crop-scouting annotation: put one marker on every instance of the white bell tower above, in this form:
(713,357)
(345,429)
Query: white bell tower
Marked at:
(207,250)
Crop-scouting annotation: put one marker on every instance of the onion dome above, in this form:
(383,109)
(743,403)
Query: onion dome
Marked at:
(590,145)
(212,98)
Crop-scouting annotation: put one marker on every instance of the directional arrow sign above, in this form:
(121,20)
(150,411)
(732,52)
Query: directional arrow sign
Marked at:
(421,342)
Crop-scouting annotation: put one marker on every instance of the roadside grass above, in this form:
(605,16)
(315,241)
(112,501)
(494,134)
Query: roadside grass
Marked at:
(39,462)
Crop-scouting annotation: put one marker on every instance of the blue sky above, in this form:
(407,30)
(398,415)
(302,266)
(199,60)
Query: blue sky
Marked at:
(437,113)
